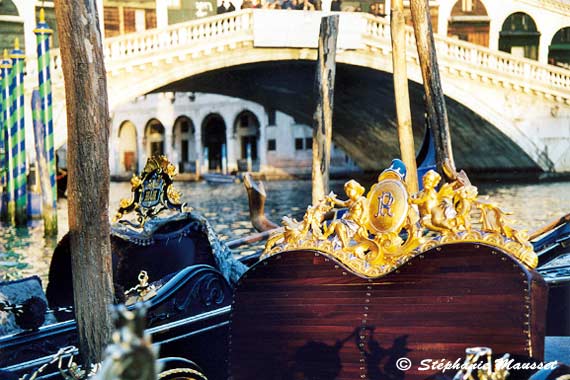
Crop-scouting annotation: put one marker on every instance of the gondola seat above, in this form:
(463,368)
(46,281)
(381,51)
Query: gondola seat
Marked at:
(304,315)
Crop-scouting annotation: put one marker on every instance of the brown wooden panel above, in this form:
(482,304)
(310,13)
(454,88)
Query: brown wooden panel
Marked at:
(303,315)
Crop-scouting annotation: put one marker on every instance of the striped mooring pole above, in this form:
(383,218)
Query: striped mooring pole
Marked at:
(6,67)
(2,151)
(43,34)
(18,133)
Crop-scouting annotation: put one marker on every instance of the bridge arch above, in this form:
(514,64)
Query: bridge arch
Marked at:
(214,139)
(502,82)
(519,36)
(184,143)
(559,49)
(128,147)
(154,138)
(470,21)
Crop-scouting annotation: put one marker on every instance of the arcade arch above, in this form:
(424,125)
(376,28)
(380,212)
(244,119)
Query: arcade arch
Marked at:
(246,131)
(469,21)
(10,26)
(520,36)
(183,135)
(154,138)
(559,49)
(214,139)
(128,157)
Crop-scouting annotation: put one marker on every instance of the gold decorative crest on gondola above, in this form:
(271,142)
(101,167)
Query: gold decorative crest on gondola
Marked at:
(152,193)
(381,231)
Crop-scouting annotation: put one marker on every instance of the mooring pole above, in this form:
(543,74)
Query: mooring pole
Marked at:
(6,67)
(41,159)
(248,157)
(224,159)
(19,136)
(2,150)
(435,100)
(402,96)
(88,171)
(43,33)
(322,119)
(206,160)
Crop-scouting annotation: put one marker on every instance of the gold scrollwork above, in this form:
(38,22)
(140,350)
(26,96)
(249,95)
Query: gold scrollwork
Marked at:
(152,192)
(382,230)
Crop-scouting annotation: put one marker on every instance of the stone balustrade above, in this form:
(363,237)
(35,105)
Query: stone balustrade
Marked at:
(482,62)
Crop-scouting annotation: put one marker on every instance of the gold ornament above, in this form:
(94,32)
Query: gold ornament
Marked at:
(383,230)
(152,193)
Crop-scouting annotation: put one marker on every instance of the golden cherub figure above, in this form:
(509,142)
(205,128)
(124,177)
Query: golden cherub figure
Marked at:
(353,224)
(436,207)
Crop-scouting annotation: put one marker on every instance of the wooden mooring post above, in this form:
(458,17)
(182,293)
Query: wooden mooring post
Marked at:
(401,93)
(88,171)
(322,120)
(435,99)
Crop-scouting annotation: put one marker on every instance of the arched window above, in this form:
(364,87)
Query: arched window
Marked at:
(214,139)
(128,147)
(154,138)
(246,129)
(559,49)
(183,144)
(470,22)
(10,30)
(519,36)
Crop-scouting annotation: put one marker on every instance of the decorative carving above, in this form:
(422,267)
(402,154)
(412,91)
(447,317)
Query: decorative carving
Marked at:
(153,193)
(381,231)
(130,355)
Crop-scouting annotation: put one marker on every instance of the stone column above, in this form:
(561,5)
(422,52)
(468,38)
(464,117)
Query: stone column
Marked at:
(229,116)
(494,29)
(161,14)
(198,142)
(141,148)
(27,11)
(262,142)
(444,13)
(166,114)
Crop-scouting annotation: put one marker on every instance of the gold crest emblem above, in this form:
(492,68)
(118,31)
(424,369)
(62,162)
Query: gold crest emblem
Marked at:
(387,206)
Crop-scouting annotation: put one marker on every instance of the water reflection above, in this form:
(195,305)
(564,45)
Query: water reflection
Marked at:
(24,251)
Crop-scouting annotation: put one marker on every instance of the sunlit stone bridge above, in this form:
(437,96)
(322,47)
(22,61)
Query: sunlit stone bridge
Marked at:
(505,112)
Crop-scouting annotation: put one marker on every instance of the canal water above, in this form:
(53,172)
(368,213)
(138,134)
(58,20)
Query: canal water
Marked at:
(24,251)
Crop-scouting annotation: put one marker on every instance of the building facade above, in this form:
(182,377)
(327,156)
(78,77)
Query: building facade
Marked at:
(193,128)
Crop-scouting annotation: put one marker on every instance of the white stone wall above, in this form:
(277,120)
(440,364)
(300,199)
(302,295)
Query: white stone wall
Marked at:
(169,107)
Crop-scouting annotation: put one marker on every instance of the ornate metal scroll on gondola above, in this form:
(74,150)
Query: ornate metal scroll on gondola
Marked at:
(384,229)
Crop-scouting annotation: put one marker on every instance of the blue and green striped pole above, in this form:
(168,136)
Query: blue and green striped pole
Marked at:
(2,152)
(6,67)
(19,135)
(43,34)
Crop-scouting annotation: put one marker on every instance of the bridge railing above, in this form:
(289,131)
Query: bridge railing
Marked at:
(495,65)
(216,29)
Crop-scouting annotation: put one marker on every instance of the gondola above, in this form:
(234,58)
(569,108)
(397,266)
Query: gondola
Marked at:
(164,255)
(219,178)
(282,315)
